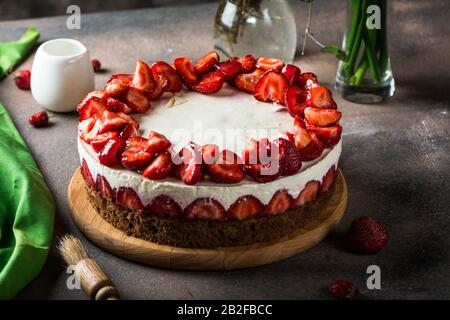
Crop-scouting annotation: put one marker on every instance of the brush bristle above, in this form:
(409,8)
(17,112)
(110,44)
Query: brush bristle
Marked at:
(72,250)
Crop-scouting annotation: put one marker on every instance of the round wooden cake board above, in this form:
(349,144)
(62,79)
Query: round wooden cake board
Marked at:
(106,236)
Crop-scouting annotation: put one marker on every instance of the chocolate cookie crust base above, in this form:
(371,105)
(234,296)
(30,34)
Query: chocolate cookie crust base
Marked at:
(202,233)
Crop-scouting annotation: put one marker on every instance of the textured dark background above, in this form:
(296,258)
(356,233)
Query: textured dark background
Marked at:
(23,9)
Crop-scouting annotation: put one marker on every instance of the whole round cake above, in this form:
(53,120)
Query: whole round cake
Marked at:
(210,154)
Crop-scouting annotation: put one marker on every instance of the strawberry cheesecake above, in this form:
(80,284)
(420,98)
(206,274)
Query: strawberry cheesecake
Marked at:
(210,154)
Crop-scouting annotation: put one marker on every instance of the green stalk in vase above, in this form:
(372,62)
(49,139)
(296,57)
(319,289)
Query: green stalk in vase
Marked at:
(384,55)
(358,76)
(372,45)
(365,46)
(356,9)
(370,39)
(357,42)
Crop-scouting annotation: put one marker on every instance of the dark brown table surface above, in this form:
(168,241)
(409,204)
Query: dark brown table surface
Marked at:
(395,156)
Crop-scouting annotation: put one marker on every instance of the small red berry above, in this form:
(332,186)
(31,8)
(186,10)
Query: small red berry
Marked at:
(96,65)
(39,119)
(343,289)
(366,235)
(22,79)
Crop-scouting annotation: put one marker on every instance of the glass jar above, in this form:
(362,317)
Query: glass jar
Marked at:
(366,76)
(264,28)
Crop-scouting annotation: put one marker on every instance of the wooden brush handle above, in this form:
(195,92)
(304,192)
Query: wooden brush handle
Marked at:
(94,281)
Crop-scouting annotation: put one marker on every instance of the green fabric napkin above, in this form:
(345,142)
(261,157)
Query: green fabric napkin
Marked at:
(26,212)
(12,53)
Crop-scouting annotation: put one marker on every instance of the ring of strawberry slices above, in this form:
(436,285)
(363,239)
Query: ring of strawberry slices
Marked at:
(107,124)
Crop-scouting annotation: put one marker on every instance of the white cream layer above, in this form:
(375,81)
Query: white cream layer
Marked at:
(228,119)
(225,194)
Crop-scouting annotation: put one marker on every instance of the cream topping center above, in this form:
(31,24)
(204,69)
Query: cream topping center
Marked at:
(228,119)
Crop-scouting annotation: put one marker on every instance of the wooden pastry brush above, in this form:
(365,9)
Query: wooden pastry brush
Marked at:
(93,280)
